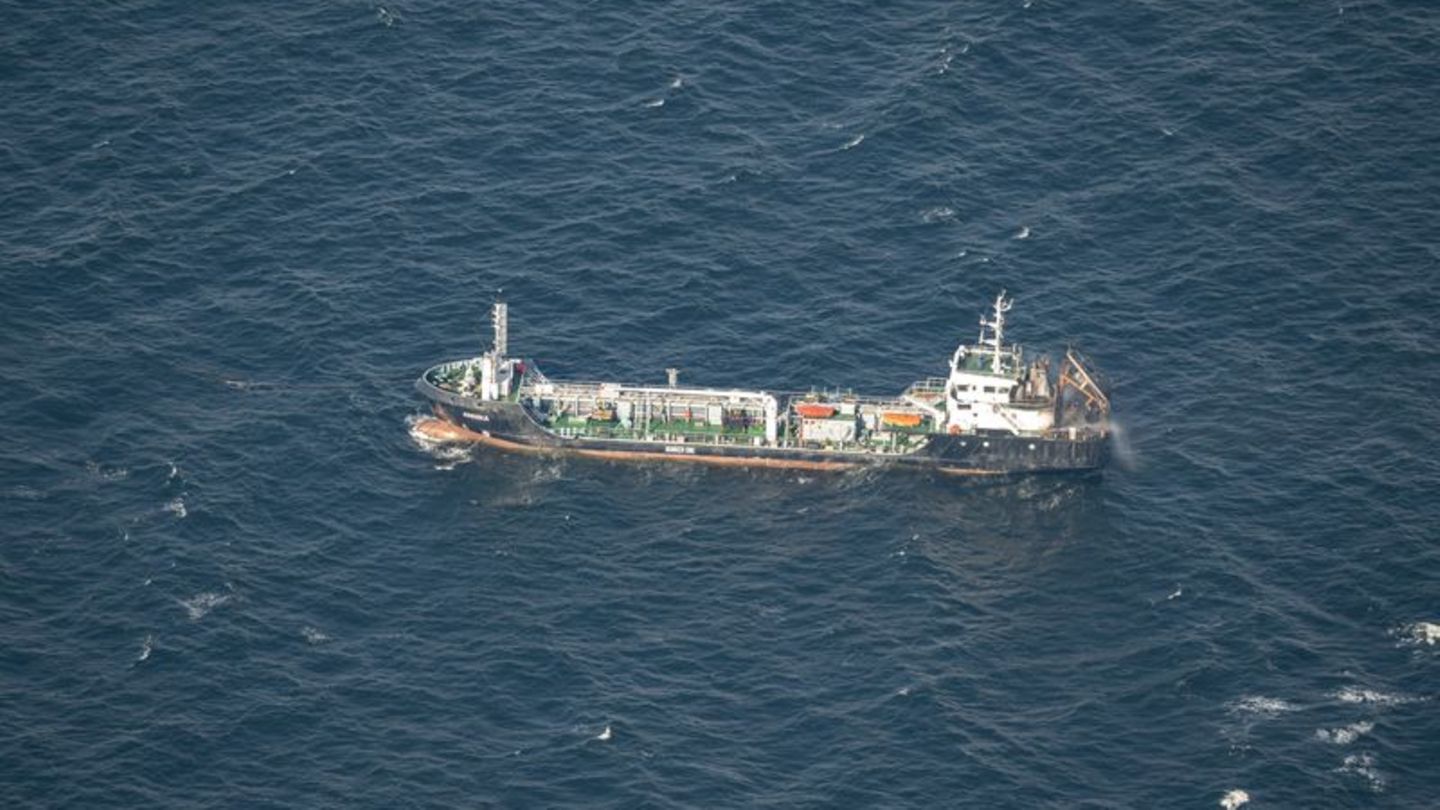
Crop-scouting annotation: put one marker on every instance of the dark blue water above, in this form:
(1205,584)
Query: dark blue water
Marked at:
(231,235)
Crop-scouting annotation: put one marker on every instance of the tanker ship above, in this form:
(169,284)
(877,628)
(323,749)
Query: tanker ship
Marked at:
(995,413)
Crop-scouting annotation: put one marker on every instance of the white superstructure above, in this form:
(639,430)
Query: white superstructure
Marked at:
(991,388)
(497,372)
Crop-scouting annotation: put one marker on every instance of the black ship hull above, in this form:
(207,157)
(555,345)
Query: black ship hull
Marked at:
(508,425)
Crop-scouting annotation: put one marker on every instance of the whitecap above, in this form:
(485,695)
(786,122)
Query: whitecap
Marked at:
(1363,765)
(1351,694)
(1234,799)
(106,472)
(1023,233)
(202,603)
(677,83)
(1179,591)
(1427,633)
(1346,734)
(313,636)
(1263,706)
(658,102)
(940,212)
(854,142)
(176,507)
(605,735)
(146,647)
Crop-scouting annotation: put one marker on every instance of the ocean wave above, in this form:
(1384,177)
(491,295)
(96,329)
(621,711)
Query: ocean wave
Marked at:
(1262,706)
(1234,799)
(106,472)
(1346,734)
(1354,694)
(1426,633)
(201,604)
(1364,766)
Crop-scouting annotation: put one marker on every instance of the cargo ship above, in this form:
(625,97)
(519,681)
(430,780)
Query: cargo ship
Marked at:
(996,412)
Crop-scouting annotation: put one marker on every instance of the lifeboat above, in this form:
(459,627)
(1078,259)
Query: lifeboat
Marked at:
(815,410)
(902,418)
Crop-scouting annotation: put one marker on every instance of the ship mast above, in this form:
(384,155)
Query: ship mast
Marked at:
(997,327)
(500,319)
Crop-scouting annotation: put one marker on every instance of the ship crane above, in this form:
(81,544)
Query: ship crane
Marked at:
(1075,375)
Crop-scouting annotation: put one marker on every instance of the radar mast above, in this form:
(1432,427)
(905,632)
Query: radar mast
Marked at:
(997,329)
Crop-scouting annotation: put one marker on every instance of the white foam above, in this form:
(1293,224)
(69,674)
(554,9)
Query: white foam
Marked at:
(174,471)
(1351,694)
(202,603)
(176,507)
(1234,799)
(1427,633)
(605,735)
(1179,591)
(107,473)
(1363,765)
(313,635)
(146,647)
(677,83)
(659,102)
(1023,233)
(447,453)
(940,212)
(854,142)
(1264,706)
(1346,734)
